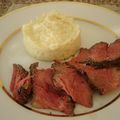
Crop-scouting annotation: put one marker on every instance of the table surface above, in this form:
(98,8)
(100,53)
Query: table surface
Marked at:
(10,5)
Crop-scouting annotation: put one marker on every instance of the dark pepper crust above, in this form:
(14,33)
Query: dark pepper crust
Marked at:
(103,64)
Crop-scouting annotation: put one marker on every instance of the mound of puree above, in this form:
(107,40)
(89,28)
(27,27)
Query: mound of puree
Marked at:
(53,36)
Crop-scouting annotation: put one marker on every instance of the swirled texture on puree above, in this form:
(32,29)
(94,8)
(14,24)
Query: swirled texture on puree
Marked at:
(53,36)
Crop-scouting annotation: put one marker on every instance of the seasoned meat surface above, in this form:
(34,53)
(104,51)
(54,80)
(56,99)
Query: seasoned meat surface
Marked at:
(105,79)
(20,85)
(101,55)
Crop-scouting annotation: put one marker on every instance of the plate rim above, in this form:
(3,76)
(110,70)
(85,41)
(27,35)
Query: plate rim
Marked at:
(56,2)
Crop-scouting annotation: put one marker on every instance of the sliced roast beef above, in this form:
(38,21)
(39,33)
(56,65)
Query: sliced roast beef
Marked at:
(46,95)
(105,79)
(21,85)
(73,82)
(98,52)
(101,55)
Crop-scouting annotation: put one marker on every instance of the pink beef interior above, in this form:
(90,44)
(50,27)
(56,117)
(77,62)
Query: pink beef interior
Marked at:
(74,84)
(46,95)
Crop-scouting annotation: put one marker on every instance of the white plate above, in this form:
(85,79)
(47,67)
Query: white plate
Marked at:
(96,24)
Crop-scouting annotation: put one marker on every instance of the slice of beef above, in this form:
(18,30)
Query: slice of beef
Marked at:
(20,85)
(104,55)
(98,52)
(103,52)
(101,55)
(74,83)
(82,56)
(105,79)
(46,95)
